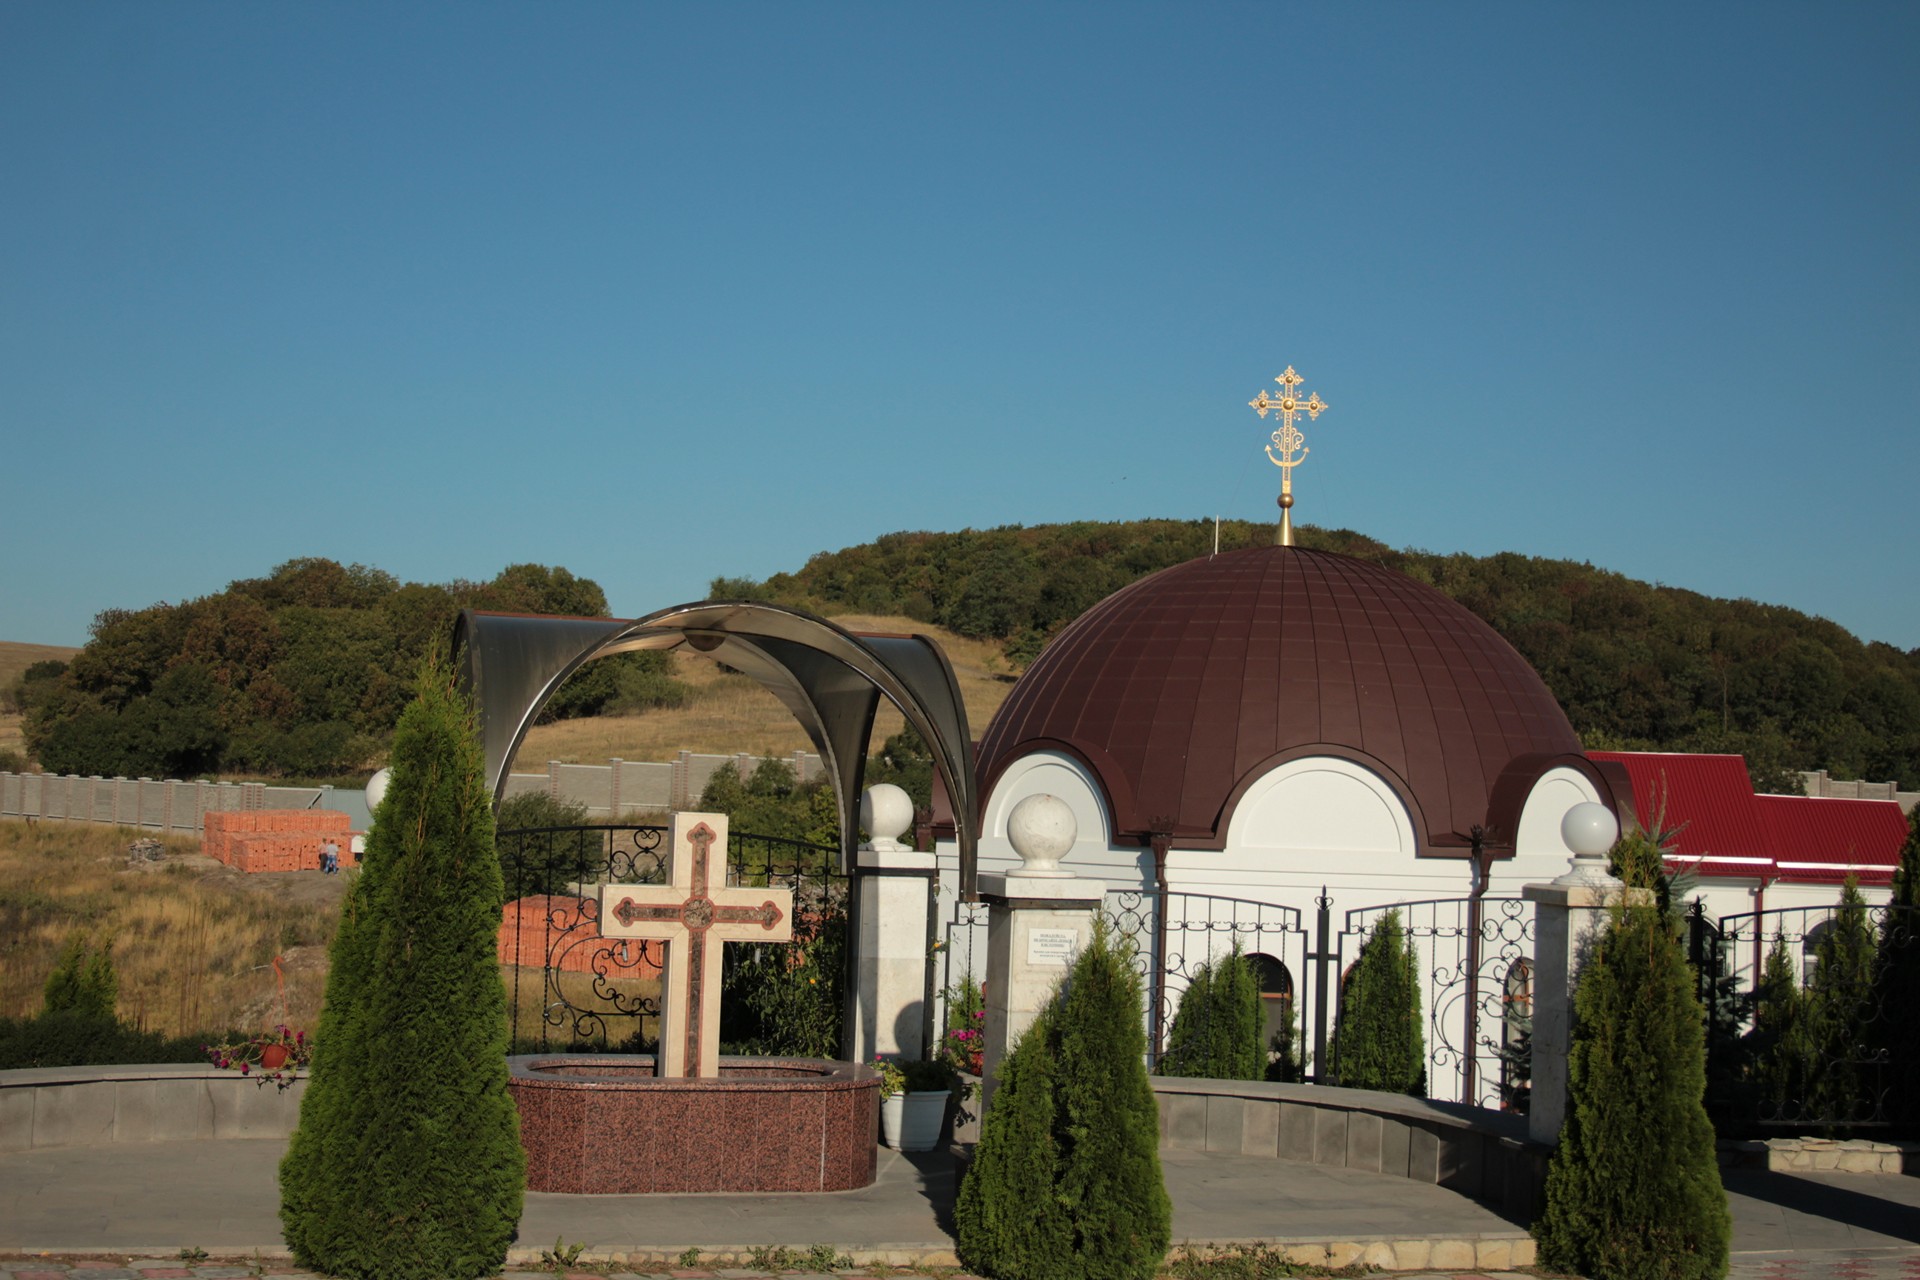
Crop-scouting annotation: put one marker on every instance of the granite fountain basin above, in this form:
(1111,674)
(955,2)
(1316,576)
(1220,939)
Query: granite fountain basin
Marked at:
(604,1125)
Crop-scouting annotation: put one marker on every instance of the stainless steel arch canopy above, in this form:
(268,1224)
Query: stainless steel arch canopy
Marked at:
(830,678)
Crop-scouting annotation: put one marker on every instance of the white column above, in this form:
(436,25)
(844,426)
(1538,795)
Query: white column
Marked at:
(1038,919)
(893,885)
(1568,913)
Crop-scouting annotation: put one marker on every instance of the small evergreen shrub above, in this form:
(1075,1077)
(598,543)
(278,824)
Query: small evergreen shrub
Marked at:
(1066,1182)
(83,980)
(1633,1189)
(1216,1031)
(407,1164)
(1378,1043)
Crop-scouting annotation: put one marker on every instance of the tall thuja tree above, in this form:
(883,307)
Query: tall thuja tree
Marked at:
(1778,1046)
(1839,1008)
(1378,1043)
(1633,1189)
(1216,1033)
(1897,983)
(406,1164)
(1066,1183)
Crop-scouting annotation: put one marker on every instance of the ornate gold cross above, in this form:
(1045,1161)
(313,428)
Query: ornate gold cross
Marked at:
(1287,439)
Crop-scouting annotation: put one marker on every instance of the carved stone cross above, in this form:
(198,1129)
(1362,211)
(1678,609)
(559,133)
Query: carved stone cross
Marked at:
(693,916)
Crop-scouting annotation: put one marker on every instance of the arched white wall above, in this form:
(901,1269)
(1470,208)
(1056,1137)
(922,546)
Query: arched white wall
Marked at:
(1313,822)
(1055,773)
(1539,852)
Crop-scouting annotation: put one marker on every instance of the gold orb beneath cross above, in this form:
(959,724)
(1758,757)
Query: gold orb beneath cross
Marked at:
(1285,500)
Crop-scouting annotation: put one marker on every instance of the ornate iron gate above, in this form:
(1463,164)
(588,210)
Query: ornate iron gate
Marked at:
(1476,959)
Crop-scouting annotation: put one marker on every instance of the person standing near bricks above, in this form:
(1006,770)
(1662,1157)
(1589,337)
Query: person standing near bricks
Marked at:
(329,858)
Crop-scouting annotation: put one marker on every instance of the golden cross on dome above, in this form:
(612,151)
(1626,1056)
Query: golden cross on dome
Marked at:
(1287,438)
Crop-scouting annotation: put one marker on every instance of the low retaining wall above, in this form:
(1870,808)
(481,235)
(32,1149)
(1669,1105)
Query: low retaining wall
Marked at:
(1484,1154)
(74,1106)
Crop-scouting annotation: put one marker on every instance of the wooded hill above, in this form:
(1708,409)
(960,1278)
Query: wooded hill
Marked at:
(1636,666)
(304,672)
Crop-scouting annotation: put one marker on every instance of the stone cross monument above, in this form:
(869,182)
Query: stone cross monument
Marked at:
(694,915)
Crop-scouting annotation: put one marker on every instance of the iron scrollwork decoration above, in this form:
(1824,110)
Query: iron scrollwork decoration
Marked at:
(1477,992)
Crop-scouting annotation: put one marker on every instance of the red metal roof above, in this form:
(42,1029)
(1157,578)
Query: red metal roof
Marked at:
(1825,839)
(1721,828)
(1706,803)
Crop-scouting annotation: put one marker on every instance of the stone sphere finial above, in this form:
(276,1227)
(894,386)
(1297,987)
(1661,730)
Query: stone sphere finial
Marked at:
(886,812)
(1042,829)
(1589,830)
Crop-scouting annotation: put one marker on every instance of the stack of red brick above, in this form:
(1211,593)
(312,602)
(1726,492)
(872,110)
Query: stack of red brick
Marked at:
(563,932)
(275,839)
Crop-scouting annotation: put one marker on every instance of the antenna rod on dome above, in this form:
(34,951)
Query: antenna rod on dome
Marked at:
(1286,407)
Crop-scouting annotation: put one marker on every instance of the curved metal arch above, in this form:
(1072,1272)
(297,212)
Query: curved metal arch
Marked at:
(830,678)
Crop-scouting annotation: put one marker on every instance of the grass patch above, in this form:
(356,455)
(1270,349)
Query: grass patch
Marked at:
(194,951)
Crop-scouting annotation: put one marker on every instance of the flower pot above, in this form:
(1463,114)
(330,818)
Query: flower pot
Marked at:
(273,1057)
(911,1121)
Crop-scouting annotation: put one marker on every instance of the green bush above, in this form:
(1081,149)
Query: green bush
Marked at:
(1066,1181)
(80,1038)
(1216,1032)
(407,1164)
(1377,1043)
(83,980)
(1633,1190)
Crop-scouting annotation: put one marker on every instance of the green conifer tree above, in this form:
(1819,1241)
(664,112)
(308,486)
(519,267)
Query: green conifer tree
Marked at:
(1378,1043)
(1778,1045)
(1897,985)
(1839,1003)
(1633,1190)
(1216,1032)
(1009,1221)
(1066,1182)
(407,1164)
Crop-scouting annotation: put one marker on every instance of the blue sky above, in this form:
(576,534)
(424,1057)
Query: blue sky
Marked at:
(661,293)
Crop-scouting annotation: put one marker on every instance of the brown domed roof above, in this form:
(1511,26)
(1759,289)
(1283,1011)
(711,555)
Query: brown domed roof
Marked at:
(1184,688)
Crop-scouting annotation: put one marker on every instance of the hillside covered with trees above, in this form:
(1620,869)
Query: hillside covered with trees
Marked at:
(304,672)
(301,673)
(1636,666)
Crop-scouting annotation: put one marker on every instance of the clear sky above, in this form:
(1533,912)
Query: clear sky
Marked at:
(664,292)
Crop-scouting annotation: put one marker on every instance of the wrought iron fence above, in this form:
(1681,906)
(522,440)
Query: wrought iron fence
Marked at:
(1809,1017)
(1175,935)
(570,988)
(1476,959)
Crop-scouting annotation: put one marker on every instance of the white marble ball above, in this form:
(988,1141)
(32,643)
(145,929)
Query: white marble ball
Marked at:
(1042,829)
(886,811)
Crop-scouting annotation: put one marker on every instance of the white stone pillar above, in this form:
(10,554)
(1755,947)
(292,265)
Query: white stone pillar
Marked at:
(894,886)
(1568,913)
(1038,919)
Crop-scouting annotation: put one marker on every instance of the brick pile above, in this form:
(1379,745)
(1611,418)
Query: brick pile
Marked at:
(567,929)
(275,839)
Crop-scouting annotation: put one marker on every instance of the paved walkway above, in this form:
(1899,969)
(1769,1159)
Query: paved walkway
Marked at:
(157,1199)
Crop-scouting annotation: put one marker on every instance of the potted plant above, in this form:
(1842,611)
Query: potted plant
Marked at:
(913,1102)
(276,1055)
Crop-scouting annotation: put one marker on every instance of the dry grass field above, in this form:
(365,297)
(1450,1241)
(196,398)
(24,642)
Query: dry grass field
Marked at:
(730,713)
(193,941)
(14,659)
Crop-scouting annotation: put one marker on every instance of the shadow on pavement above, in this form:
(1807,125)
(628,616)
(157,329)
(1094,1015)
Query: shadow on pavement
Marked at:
(1824,1200)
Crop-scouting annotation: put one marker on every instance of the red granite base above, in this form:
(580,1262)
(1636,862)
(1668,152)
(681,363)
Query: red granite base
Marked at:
(602,1125)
